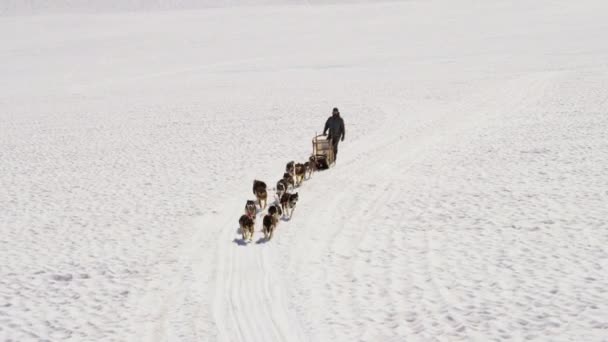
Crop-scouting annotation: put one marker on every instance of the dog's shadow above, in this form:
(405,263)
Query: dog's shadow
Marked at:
(262,241)
(240,242)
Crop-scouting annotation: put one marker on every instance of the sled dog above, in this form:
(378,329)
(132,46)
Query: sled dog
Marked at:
(250,209)
(289,168)
(288,203)
(270,223)
(309,168)
(246,224)
(282,186)
(259,190)
(289,179)
(300,172)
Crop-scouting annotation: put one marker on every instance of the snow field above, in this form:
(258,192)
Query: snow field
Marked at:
(468,202)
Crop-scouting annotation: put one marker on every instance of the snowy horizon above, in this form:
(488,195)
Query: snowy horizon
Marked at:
(44,7)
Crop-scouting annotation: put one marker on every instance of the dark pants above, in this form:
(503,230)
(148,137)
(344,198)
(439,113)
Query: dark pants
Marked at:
(334,144)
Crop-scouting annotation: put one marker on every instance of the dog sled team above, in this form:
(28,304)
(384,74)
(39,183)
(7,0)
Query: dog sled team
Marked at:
(325,149)
(284,204)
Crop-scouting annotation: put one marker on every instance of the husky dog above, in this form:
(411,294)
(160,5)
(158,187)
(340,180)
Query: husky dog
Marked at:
(307,170)
(289,168)
(310,166)
(259,190)
(275,210)
(250,209)
(300,172)
(282,186)
(289,179)
(246,223)
(271,220)
(258,185)
(288,203)
(270,224)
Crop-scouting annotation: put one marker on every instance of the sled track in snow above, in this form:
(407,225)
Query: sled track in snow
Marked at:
(360,259)
(249,301)
(250,291)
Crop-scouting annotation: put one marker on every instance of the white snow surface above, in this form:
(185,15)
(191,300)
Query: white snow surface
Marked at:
(469,201)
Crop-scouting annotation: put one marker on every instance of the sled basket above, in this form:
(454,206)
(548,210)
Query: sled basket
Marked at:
(323,152)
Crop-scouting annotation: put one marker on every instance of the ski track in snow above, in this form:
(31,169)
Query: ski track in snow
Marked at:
(468,203)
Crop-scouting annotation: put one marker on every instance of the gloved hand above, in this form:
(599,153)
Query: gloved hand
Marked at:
(342,139)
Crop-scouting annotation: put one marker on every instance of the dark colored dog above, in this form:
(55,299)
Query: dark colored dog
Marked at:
(258,185)
(259,190)
(271,220)
(270,224)
(310,166)
(288,203)
(275,210)
(289,168)
(300,172)
(282,186)
(246,223)
(288,178)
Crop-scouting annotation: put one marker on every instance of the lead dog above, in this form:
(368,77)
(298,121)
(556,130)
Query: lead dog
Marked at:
(246,223)
(271,221)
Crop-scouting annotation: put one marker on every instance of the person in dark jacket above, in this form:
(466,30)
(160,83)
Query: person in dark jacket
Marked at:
(335,126)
